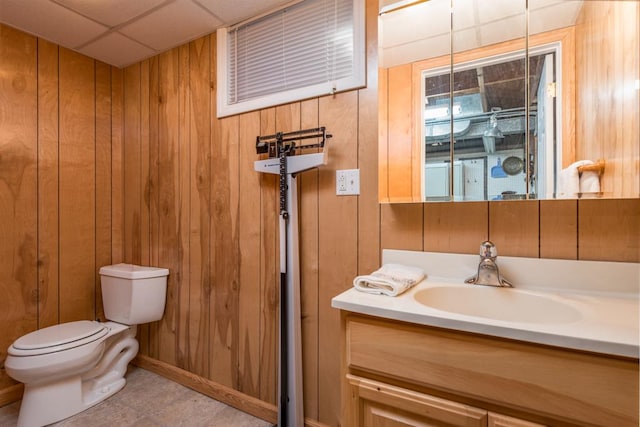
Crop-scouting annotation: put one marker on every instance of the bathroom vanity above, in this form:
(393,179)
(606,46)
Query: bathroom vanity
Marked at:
(407,362)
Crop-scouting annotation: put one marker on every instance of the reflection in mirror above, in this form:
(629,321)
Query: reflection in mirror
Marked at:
(496,124)
(514,111)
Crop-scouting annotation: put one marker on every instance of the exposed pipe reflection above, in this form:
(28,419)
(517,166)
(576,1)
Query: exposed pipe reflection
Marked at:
(489,136)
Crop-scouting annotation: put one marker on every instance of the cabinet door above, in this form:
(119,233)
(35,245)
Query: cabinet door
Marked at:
(499,420)
(382,405)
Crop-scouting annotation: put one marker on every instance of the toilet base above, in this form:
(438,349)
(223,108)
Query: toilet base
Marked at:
(44,404)
(49,402)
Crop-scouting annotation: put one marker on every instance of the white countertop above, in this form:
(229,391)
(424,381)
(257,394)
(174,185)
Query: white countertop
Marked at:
(608,321)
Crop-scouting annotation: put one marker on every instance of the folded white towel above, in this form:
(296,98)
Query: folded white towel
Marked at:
(390,279)
(589,182)
(571,183)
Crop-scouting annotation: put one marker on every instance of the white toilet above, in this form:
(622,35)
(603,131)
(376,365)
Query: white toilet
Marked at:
(70,367)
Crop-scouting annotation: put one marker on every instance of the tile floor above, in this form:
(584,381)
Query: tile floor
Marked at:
(149,400)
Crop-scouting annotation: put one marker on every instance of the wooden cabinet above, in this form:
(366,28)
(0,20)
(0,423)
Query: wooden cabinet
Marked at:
(383,405)
(399,374)
(499,420)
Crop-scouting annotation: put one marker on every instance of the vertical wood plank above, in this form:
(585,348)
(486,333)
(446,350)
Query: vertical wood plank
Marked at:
(169,200)
(103,176)
(48,184)
(568,97)
(216,133)
(199,241)
(400,133)
(225,253)
(309,279)
(383,134)
(368,207)
(559,229)
(401,226)
(455,227)
(338,245)
(145,235)
(514,227)
(269,277)
(249,246)
(117,167)
(629,16)
(184,216)
(77,186)
(614,148)
(18,186)
(145,242)
(132,163)
(608,230)
(154,189)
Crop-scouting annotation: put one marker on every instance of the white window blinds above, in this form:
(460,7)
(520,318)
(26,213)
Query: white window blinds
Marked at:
(311,48)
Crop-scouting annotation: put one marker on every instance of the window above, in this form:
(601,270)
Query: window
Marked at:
(311,48)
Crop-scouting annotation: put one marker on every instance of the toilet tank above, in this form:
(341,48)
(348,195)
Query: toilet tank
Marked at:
(133,294)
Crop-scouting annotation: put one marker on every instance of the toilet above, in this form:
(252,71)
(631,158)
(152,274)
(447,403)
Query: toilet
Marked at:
(70,367)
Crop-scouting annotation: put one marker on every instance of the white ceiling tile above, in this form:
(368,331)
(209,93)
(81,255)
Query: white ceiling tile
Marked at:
(414,51)
(172,25)
(235,11)
(537,4)
(503,30)
(116,49)
(465,14)
(493,10)
(403,26)
(111,12)
(49,21)
(557,16)
(466,39)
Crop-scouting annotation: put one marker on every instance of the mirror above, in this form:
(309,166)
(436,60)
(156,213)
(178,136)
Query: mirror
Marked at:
(509,99)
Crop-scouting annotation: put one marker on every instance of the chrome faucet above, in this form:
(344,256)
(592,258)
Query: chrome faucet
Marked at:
(488,274)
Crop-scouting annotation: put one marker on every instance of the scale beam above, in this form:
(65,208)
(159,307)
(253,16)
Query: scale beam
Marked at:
(286,141)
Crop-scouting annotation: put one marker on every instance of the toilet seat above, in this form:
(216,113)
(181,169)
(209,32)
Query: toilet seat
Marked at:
(58,338)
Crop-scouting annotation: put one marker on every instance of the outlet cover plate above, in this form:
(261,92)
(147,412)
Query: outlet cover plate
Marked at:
(348,182)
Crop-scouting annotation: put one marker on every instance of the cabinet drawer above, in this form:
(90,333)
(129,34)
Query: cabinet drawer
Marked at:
(565,385)
(499,420)
(380,404)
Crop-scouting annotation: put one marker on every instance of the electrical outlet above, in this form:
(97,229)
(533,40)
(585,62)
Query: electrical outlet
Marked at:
(348,182)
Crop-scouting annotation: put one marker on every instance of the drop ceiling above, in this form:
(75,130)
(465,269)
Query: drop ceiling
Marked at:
(123,32)
(422,30)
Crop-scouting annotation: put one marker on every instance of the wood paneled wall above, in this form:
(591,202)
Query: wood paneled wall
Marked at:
(171,185)
(60,184)
(607,96)
(193,203)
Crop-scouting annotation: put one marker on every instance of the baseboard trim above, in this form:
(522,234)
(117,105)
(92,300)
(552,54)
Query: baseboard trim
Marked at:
(313,423)
(219,392)
(11,394)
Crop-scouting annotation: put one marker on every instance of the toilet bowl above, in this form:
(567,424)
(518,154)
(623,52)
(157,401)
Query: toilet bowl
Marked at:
(70,367)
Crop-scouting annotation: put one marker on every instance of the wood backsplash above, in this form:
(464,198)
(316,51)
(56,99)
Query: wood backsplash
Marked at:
(100,165)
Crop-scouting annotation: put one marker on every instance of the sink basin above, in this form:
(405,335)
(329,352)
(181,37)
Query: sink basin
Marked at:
(498,304)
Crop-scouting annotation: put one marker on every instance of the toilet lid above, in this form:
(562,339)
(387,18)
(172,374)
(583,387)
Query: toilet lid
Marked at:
(58,337)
